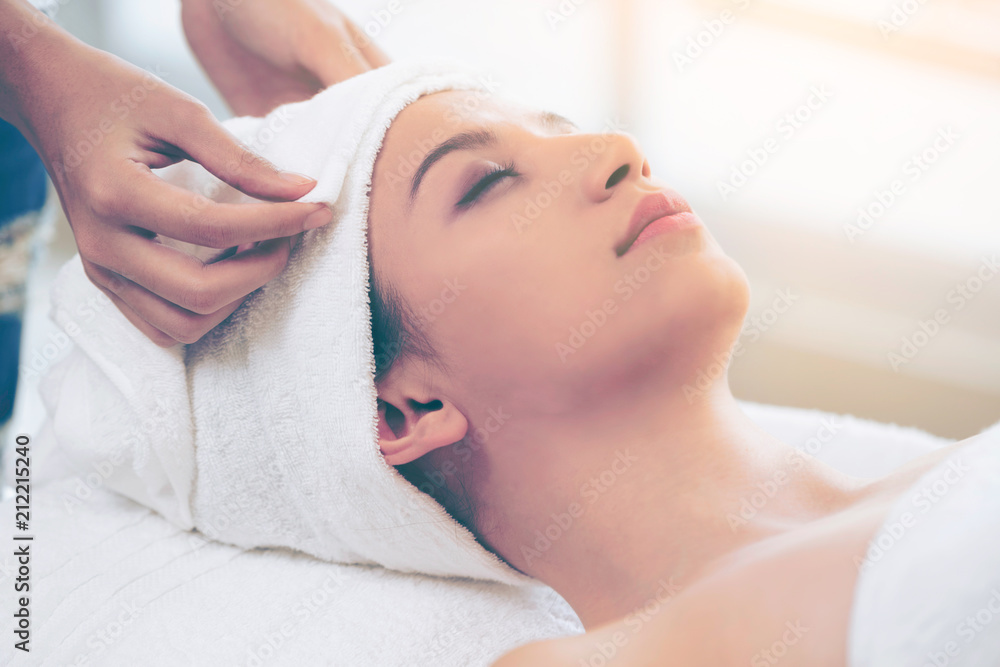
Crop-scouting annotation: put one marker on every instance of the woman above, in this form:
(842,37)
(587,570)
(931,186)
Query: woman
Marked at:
(538,347)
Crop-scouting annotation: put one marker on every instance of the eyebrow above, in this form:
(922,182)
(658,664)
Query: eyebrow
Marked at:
(470,141)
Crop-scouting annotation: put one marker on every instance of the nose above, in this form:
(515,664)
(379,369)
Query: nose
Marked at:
(613,159)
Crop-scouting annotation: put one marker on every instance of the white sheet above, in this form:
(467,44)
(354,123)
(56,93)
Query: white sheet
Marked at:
(115,584)
(928,591)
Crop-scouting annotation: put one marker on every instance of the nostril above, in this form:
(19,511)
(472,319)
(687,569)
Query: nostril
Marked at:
(617,176)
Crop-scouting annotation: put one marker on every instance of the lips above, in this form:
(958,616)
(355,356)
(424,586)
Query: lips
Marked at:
(651,207)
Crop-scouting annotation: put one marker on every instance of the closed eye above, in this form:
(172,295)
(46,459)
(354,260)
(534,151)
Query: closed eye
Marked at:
(484,184)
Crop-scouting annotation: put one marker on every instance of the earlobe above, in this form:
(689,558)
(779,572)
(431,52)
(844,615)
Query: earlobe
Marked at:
(408,432)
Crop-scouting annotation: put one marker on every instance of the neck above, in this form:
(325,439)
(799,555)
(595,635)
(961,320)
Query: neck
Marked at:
(637,501)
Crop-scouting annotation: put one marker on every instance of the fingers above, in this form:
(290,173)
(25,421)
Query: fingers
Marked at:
(167,323)
(172,211)
(99,278)
(209,144)
(186,282)
(161,321)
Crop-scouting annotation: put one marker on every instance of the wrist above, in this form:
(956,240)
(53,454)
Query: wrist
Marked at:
(31,51)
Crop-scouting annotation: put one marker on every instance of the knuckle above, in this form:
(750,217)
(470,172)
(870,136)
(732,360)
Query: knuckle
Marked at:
(160,338)
(199,298)
(189,330)
(102,278)
(103,199)
(247,161)
(89,249)
(193,113)
(88,270)
(215,234)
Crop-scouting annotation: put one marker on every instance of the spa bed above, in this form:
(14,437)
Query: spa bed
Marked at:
(114,583)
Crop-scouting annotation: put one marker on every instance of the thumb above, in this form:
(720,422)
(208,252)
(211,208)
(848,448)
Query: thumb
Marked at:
(209,144)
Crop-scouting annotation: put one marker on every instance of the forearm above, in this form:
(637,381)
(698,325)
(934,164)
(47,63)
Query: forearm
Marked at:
(271,52)
(31,48)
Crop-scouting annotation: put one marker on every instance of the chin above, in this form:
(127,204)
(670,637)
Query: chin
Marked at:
(740,288)
(711,288)
(731,290)
(672,328)
(702,309)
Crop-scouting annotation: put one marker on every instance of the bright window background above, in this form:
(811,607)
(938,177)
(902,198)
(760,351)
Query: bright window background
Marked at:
(891,93)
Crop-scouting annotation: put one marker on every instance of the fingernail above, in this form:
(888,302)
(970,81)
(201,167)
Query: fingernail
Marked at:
(296,179)
(318,218)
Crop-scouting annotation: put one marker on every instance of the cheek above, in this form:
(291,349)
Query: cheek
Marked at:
(496,305)
(520,294)
(547,321)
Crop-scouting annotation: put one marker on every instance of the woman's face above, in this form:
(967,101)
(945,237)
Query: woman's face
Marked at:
(508,250)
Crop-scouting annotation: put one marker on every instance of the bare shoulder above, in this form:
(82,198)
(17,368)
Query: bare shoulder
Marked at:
(791,606)
(787,600)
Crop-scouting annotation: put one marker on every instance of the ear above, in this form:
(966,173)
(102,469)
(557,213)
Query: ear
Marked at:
(412,423)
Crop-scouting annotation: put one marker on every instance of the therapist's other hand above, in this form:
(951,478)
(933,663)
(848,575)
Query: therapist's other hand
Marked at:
(264,53)
(101,125)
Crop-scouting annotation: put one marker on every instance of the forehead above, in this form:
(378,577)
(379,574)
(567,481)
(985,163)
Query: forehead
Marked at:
(454,110)
(425,124)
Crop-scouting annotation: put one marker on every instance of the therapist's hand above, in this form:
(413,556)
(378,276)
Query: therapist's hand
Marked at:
(100,126)
(264,53)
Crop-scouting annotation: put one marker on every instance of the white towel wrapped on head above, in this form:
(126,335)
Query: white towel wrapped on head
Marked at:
(264,433)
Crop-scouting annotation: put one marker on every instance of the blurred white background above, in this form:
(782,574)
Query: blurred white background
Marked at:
(719,92)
